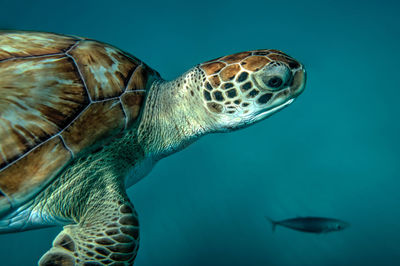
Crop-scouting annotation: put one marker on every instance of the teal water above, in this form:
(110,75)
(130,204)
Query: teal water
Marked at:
(334,152)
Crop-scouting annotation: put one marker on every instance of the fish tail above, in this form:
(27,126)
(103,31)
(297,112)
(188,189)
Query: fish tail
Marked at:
(273,223)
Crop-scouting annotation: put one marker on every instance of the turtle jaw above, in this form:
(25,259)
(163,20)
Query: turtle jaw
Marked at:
(245,121)
(262,114)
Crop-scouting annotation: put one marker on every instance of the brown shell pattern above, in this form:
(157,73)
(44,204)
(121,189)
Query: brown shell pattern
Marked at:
(58,96)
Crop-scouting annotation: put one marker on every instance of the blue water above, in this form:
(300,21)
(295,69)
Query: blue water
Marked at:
(334,152)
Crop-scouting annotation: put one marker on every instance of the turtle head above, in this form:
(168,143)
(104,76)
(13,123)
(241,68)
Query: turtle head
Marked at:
(220,95)
(241,89)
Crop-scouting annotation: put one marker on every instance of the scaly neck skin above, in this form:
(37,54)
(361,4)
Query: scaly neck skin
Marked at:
(174,116)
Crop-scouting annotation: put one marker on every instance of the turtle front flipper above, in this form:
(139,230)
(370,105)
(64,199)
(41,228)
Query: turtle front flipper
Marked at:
(108,234)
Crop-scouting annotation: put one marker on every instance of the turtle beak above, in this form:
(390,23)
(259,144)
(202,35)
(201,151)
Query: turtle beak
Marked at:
(299,82)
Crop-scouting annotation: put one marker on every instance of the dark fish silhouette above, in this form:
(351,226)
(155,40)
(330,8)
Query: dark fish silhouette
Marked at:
(315,225)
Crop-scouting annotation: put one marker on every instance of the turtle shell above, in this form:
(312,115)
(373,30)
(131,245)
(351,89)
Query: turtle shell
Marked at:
(59,95)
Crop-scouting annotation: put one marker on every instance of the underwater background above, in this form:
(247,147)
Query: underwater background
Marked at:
(333,153)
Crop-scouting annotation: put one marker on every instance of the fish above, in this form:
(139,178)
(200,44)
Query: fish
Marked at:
(316,225)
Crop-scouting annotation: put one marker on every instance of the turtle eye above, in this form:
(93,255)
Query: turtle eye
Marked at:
(274,82)
(273,77)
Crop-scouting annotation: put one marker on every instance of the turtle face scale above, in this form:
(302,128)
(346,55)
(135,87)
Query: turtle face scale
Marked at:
(246,87)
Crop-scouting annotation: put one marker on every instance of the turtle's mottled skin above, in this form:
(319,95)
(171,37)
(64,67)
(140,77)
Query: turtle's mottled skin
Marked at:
(81,121)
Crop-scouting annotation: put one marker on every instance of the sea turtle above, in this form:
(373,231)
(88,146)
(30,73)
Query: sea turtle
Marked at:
(81,121)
